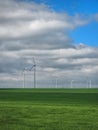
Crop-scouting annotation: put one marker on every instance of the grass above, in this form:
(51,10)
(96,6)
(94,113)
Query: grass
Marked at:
(48,109)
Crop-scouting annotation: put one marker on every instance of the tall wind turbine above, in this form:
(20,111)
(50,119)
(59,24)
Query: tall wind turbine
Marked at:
(34,68)
(28,68)
(90,84)
(72,83)
(24,78)
(56,83)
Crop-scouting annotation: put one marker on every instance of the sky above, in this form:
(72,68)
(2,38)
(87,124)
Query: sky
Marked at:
(62,36)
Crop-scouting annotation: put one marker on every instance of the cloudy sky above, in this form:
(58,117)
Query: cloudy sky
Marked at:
(62,36)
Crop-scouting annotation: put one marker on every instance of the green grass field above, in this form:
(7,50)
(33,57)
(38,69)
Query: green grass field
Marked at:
(48,109)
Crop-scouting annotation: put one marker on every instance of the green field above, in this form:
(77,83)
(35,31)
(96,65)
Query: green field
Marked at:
(48,109)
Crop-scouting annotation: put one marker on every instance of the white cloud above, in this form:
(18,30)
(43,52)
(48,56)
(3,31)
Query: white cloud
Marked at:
(19,20)
(29,30)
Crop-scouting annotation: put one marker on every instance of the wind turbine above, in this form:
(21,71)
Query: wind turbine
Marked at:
(34,68)
(90,84)
(28,68)
(72,83)
(24,78)
(56,82)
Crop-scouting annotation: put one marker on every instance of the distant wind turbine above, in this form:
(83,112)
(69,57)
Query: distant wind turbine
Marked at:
(24,78)
(56,82)
(72,83)
(90,84)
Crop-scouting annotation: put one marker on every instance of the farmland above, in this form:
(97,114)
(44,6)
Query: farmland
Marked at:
(48,109)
